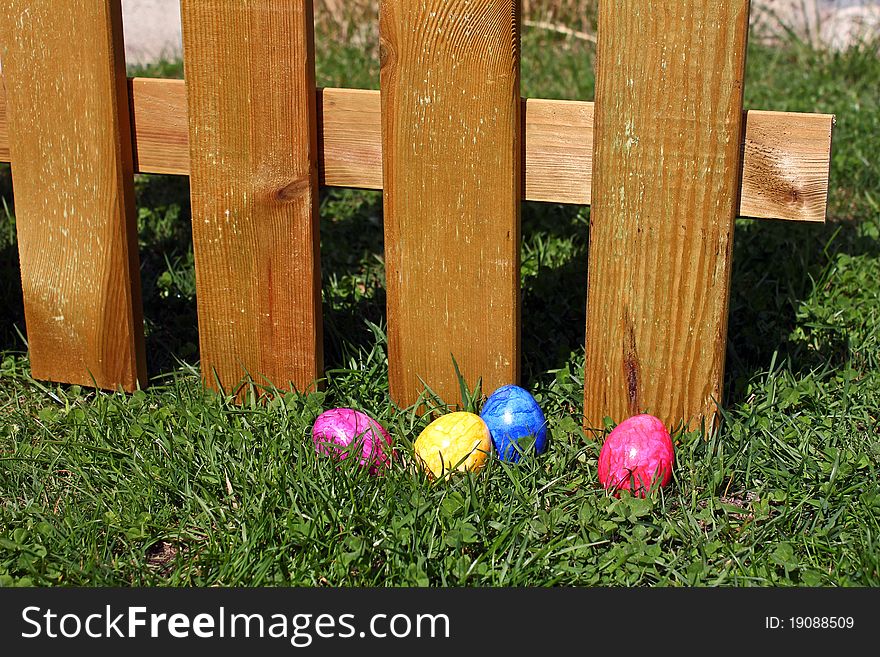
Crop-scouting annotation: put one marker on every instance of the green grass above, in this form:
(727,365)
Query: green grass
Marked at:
(175,485)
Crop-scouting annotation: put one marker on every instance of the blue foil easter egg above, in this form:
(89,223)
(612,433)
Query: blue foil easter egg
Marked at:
(512,414)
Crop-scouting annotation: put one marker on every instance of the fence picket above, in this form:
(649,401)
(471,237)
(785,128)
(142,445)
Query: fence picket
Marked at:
(452,187)
(253,176)
(666,163)
(71,152)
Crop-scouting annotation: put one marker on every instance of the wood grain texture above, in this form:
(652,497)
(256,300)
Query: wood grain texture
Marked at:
(785,170)
(160,124)
(786,164)
(4,127)
(666,169)
(70,146)
(254,183)
(452,178)
(559,151)
(350,130)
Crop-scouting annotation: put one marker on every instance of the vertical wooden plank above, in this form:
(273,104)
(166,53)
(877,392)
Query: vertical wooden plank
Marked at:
(4,128)
(666,164)
(452,177)
(249,68)
(70,147)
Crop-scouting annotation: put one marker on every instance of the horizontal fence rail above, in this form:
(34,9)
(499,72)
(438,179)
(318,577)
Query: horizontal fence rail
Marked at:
(787,155)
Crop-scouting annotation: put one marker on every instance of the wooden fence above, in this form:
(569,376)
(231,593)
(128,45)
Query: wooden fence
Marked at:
(666,155)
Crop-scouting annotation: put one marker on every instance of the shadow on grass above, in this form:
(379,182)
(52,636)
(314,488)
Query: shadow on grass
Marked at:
(554,286)
(353,277)
(11,301)
(351,261)
(553,289)
(776,266)
(167,272)
(12,317)
(352,272)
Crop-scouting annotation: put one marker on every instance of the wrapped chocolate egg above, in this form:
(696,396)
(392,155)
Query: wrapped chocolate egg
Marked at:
(513,415)
(336,430)
(456,441)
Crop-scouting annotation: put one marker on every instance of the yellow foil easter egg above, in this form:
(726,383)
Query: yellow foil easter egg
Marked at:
(455,441)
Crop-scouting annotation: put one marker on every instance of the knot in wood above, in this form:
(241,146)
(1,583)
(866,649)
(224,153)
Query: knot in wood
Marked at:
(293,190)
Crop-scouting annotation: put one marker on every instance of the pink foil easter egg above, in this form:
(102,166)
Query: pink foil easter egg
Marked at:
(336,429)
(638,452)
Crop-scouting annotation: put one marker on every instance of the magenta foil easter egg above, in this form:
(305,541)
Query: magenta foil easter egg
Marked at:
(637,456)
(335,431)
